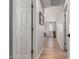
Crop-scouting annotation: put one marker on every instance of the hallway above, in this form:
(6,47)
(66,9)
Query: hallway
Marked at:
(52,50)
(33,22)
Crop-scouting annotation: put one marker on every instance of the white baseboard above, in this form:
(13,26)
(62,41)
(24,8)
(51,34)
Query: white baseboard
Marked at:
(40,53)
(60,44)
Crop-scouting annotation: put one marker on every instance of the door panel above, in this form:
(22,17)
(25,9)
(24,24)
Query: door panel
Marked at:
(21,29)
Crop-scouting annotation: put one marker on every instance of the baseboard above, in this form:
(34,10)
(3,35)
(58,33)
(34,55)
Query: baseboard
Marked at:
(40,53)
(60,44)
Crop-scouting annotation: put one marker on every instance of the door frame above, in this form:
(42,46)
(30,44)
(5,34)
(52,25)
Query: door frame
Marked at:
(65,49)
(32,29)
(65,25)
(10,28)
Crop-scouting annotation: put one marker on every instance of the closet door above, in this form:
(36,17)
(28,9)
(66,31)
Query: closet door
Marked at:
(21,29)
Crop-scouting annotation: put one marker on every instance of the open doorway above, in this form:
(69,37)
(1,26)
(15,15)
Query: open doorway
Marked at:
(54,44)
(50,29)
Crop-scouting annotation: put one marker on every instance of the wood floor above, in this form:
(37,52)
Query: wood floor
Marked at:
(52,50)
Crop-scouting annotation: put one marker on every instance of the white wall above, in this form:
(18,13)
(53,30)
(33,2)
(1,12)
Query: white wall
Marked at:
(51,13)
(52,26)
(39,29)
(60,29)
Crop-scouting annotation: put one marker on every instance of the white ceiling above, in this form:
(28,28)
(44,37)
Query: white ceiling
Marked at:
(47,3)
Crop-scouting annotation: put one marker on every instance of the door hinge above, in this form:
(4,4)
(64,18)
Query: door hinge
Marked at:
(32,29)
(32,5)
(32,51)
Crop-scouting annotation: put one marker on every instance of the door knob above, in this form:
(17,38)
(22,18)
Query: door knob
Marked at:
(68,35)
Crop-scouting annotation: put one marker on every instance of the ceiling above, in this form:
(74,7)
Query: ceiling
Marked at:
(48,3)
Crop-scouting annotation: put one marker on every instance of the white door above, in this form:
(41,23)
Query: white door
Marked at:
(21,29)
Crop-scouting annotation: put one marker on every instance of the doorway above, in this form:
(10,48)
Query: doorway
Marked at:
(50,29)
(65,48)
